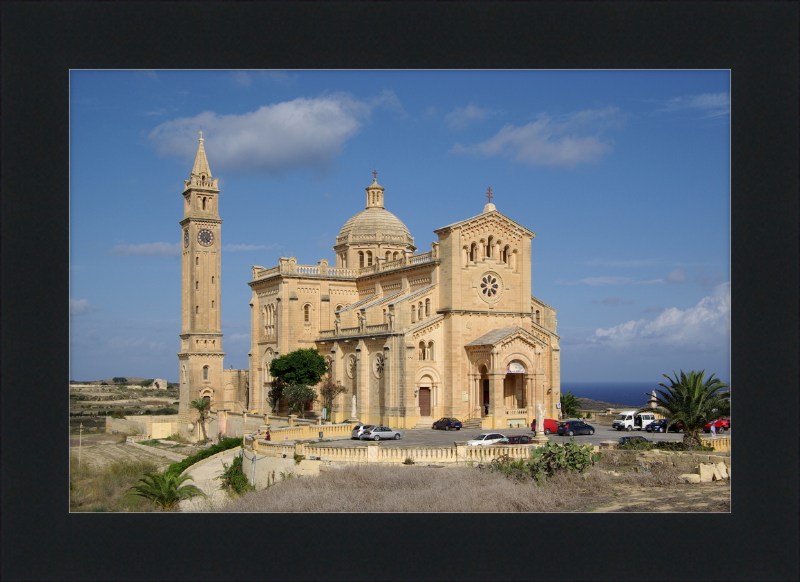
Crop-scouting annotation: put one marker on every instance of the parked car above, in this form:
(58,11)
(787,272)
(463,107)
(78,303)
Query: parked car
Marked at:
(573,427)
(447,423)
(633,439)
(722,425)
(488,438)
(359,429)
(522,439)
(660,425)
(377,433)
(550,425)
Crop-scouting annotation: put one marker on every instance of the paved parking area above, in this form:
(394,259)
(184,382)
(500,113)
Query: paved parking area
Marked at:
(427,437)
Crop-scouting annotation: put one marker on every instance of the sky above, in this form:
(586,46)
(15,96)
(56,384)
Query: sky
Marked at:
(624,176)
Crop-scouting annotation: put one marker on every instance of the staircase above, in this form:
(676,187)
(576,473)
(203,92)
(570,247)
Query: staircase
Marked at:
(425,422)
(472,423)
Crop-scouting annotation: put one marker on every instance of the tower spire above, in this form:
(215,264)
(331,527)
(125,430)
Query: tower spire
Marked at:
(201,162)
(374,192)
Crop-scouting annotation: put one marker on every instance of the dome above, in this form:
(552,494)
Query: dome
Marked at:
(375,220)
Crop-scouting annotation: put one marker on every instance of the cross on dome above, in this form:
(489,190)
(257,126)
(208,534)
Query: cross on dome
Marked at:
(374,175)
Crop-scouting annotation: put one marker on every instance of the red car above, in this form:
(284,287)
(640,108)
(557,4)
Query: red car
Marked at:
(550,425)
(721,424)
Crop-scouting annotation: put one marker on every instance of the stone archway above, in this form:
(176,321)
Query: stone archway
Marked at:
(515,395)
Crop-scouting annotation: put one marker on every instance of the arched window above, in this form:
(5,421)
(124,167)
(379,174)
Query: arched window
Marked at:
(413,313)
(212,279)
(422,350)
(196,309)
(307,313)
(369,258)
(384,316)
(212,304)
(205,372)
(361,259)
(394,256)
(427,308)
(536,317)
(430,351)
(196,285)
(388,256)
(197,260)
(489,246)
(204,203)
(473,252)
(419,308)
(339,307)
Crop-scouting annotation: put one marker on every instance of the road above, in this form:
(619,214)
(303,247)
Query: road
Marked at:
(426,437)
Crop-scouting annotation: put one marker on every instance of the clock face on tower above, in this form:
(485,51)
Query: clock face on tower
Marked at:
(205,237)
(186,238)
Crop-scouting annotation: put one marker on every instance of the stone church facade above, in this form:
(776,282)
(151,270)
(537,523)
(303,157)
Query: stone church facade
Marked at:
(413,336)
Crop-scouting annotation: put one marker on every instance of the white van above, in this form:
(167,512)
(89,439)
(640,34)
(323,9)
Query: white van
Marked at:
(629,420)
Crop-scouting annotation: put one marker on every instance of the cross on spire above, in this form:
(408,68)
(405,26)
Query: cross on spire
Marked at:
(489,194)
(201,135)
(375,175)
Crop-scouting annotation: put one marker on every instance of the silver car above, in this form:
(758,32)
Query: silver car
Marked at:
(359,429)
(485,439)
(377,433)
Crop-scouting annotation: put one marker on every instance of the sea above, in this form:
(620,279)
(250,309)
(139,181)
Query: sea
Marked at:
(625,393)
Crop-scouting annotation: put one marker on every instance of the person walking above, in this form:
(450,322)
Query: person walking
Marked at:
(713,428)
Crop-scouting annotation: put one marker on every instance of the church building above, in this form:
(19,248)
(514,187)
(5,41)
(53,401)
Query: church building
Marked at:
(412,336)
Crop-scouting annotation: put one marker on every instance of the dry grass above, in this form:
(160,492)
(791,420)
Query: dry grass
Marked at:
(104,489)
(382,488)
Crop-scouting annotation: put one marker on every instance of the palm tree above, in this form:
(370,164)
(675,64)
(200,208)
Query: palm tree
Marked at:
(201,405)
(692,401)
(164,489)
(569,404)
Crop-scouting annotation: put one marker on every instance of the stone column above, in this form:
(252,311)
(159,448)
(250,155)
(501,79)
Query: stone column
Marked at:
(540,436)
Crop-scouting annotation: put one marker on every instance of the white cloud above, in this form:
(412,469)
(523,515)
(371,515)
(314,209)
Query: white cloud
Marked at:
(275,139)
(707,324)
(236,248)
(80,306)
(461,117)
(159,249)
(550,142)
(677,276)
(712,104)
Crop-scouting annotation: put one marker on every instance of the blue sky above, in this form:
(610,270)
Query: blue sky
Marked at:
(624,176)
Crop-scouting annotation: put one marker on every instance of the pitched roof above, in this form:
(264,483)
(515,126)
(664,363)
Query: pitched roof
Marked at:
(494,336)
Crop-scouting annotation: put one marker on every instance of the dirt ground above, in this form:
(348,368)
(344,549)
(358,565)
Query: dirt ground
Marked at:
(702,497)
(99,450)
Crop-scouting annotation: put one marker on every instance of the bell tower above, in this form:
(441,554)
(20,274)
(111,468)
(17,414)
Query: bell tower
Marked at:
(201,355)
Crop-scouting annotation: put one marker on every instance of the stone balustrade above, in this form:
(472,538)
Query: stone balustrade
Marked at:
(423,258)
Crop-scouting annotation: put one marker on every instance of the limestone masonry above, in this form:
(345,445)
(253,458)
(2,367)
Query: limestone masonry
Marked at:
(412,336)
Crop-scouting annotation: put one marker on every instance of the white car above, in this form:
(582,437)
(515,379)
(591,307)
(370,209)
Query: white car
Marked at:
(489,438)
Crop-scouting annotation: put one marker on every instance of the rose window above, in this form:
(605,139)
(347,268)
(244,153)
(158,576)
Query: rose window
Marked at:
(378,365)
(489,285)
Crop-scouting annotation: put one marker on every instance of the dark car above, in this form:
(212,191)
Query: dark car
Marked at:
(573,427)
(633,439)
(660,425)
(516,440)
(447,424)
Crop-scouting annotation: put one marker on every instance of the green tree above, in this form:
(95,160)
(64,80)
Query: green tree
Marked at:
(145,383)
(692,401)
(275,393)
(329,391)
(569,404)
(164,489)
(201,405)
(299,395)
(119,380)
(304,366)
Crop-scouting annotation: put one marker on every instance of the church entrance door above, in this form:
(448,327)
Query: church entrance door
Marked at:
(425,401)
(485,397)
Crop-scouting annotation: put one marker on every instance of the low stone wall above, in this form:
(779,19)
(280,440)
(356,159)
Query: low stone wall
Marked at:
(151,427)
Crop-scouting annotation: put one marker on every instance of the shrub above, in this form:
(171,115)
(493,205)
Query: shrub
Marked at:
(680,446)
(546,461)
(408,461)
(636,446)
(226,444)
(118,380)
(118,413)
(234,481)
